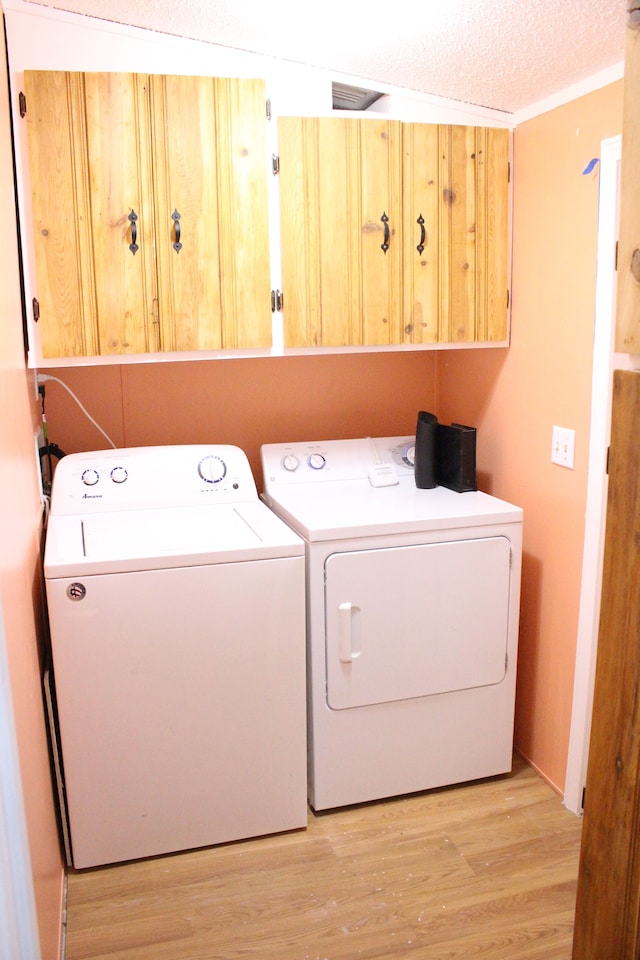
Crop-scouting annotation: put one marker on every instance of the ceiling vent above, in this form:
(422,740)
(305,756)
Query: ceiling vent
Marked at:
(346,97)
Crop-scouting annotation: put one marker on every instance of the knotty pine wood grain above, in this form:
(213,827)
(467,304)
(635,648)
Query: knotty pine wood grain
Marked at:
(608,899)
(485,870)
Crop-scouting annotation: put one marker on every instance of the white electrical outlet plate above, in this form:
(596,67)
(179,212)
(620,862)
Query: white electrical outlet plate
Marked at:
(563,446)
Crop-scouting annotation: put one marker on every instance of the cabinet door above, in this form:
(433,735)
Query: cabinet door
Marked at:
(113,157)
(340,231)
(381,219)
(119,161)
(492,225)
(444,275)
(421,232)
(242,159)
(61,213)
(90,170)
(473,234)
(210,182)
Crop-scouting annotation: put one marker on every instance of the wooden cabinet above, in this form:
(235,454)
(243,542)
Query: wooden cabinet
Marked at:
(149,202)
(393,233)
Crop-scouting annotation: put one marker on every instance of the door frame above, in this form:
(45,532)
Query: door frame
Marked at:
(604,361)
(18,920)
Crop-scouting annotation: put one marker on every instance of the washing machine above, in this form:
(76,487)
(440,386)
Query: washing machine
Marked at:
(412,619)
(176,603)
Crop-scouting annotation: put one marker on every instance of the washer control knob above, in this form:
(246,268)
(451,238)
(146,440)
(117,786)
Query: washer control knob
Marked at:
(316,461)
(212,469)
(290,462)
(90,477)
(119,475)
(410,455)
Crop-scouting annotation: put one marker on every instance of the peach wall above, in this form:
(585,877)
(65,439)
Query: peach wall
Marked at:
(543,379)
(20,576)
(246,402)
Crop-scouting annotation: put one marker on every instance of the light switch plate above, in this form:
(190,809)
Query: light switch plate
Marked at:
(563,445)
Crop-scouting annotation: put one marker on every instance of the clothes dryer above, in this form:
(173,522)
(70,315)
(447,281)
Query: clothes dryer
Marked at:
(412,619)
(176,606)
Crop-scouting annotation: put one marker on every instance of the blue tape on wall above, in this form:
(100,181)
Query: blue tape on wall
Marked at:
(589,167)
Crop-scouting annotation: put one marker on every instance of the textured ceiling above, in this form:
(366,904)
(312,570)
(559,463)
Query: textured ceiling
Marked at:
(504,54)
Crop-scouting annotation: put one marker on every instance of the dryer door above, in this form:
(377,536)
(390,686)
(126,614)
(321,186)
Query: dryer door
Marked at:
(416,621)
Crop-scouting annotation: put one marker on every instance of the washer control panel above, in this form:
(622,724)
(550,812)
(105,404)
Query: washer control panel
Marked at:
(325,460)
(134,478)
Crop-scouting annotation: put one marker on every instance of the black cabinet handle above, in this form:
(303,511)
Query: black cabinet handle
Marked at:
(423,234)
(132,218)
(385,246)
(177,246)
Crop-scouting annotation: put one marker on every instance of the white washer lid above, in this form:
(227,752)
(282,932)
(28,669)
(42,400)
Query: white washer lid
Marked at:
(353,508)
(126,541)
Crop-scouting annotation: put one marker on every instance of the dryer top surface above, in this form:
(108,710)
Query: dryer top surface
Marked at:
(323,490)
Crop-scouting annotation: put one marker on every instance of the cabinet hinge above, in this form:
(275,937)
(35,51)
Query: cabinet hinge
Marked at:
(584,794)
(508,298)
(268,106)
(22,103)
(615,267)
(35,306)
(509,171)
(275,164)
(607,466)
(276,301)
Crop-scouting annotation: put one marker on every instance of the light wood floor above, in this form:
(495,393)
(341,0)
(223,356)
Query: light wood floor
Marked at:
(486,870)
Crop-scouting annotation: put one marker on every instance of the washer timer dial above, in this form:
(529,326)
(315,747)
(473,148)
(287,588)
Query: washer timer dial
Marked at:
(119,474)
(316,461)
(290,462)
(212,469)
(90,477)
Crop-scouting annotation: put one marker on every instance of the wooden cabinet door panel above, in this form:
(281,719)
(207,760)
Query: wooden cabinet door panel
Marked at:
(457,234)
(381,186)
(61,213)
(183,112)
(338,178)
(492,212)
(338,239)
(241,147)
(320,231)
(119,144)
(473,234)
(299,210)
(421,202)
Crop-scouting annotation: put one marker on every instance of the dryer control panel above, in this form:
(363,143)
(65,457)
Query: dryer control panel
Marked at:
(136,478)
(319,461)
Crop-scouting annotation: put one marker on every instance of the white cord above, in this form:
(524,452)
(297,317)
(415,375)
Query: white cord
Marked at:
(43,377)
(377,458)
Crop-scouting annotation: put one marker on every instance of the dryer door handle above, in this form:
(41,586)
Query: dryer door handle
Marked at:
(349,648)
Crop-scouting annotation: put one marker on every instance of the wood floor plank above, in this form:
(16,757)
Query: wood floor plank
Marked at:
(485,870)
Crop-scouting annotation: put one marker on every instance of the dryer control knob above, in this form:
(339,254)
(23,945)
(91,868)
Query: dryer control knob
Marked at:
(212,469)
(316,461)
(290,462)
(90,477)
(119,475)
